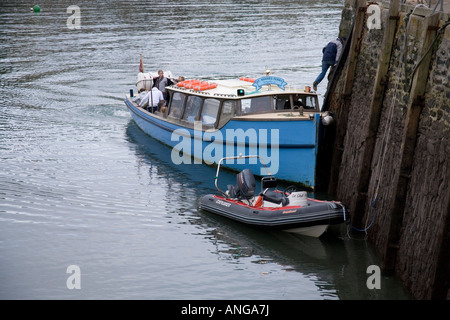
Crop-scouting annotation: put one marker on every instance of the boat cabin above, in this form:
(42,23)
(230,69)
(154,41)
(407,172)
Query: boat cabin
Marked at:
(286,116)
(238,99)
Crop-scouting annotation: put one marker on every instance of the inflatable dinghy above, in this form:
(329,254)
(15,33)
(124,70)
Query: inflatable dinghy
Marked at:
(288,210)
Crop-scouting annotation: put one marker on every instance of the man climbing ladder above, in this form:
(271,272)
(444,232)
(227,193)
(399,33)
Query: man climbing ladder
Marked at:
(331,54)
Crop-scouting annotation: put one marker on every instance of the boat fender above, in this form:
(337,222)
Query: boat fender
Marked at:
(327,119)
(299,198)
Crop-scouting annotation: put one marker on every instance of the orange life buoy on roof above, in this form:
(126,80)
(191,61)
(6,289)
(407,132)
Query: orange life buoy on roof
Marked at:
(247,79)
(196,85)
(204,86)
(187,83)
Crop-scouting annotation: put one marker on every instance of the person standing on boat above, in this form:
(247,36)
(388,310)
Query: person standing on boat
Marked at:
(331,54)
(162,82)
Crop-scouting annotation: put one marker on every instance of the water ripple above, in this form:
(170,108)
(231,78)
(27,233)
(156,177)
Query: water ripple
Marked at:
(81,184)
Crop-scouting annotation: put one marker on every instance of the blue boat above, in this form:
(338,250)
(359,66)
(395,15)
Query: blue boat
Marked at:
(206,121)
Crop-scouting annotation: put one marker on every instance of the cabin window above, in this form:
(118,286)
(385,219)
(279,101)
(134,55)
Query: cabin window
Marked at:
(310,102)
(176,105)
(282,102)
(193,105)
(209,112)
(245,106)
(256,105)
(298,101)
(228,111)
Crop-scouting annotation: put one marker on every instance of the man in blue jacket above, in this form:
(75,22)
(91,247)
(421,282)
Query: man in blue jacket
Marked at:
(331,54)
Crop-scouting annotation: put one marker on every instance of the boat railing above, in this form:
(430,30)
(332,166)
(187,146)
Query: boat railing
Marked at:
(240,156)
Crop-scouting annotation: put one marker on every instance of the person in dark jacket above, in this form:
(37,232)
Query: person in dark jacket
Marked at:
(161,82)
(331,54)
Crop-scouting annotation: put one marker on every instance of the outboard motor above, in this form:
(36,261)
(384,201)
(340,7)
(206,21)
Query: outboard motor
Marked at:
(245,187)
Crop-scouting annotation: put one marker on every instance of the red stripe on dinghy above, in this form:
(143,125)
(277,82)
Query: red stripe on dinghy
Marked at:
(256,208)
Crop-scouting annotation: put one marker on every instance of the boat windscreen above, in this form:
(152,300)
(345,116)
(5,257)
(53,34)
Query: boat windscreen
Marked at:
(176,105)
(256,105)
(192,108)
(227,112)
(209,111)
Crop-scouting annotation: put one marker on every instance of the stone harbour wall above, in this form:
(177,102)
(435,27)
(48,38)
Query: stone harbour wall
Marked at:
(389,157)
(425,232)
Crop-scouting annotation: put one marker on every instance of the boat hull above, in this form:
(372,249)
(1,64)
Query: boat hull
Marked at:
(312,219)
(288,147)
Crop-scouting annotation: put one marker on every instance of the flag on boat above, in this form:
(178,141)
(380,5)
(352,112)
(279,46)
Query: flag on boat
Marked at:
(141,65)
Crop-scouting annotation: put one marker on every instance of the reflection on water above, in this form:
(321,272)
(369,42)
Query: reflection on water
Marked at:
(81,185)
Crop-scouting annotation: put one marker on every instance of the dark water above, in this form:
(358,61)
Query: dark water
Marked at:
(81,185)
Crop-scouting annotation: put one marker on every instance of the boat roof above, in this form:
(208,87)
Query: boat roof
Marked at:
(229,88)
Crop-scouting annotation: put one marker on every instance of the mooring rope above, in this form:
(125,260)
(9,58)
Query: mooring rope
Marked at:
(388,128)
(438,34)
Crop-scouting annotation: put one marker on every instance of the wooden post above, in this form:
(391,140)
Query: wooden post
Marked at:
(409,137)
(346,95)
(374,114)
